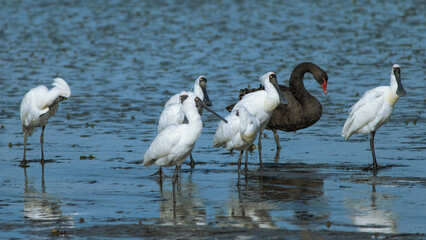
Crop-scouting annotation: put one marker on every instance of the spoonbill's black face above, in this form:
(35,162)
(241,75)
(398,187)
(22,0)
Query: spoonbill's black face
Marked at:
(57,101)
(183,98)
(274,82)
(400,91)
(272,77)
(203,82)
(203,86)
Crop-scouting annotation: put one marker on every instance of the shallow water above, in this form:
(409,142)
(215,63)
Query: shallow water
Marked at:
(122,62)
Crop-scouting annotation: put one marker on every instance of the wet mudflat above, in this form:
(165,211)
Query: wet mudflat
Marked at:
(122,62)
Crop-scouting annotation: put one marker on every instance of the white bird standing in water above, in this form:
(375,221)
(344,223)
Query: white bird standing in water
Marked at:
(238,134)
(374,109)
(173,113)
(261,104)
(173,145)
(37,106)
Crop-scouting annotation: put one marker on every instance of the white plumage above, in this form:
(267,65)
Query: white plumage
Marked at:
(174,144)
(238,134)
(173,113)
(374,109)
(37,106)
(261,104)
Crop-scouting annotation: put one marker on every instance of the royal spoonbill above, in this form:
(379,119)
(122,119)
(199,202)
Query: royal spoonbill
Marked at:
(173,114)
(261,104)
(174,144)
(374,109)
(238,134)
(303,110)
(37,106)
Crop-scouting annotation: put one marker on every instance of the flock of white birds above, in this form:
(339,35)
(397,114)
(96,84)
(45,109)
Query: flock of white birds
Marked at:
(180,123)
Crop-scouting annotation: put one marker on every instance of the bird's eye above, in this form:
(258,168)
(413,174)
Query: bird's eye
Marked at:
(270,76)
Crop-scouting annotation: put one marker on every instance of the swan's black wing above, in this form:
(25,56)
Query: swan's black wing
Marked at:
(243,92)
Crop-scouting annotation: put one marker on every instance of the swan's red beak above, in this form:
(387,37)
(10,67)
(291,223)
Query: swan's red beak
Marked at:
(324,86)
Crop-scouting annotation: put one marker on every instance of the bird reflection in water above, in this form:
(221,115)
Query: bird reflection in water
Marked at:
(182,206)
(372,214)
(296,192)
(247,211)
(41,207)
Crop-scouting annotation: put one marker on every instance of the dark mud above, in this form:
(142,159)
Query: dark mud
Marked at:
(208,232)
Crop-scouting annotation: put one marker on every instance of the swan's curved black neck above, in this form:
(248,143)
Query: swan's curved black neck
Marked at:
(296,80)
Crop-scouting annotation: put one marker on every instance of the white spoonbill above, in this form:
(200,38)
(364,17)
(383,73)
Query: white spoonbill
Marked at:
(374,109)
(238,134)
(200,90)
(173,145)
(173,114)
(37,106)
(261,104)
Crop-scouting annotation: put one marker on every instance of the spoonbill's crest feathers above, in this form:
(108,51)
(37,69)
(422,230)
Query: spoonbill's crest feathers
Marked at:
(62,86)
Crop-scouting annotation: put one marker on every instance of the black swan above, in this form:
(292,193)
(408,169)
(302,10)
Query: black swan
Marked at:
(303,109)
